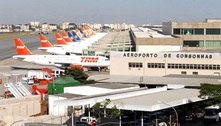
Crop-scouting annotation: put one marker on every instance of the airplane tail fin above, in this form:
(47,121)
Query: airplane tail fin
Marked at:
(76,37)
(44,42)
(59,39)
(65,37)
(21,48)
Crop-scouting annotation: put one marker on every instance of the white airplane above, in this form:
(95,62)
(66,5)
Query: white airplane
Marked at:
(61,49)
(25,54)
(80,45)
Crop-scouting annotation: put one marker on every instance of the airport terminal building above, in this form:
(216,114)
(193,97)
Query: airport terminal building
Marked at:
(147,39)
(196,35)
(164,63)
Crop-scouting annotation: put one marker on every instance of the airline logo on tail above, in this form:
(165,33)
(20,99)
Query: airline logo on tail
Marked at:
(21,48)
(65,37)
(60,40)
(44,41)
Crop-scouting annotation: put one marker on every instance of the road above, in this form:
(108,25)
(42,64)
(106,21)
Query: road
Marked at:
(7,47)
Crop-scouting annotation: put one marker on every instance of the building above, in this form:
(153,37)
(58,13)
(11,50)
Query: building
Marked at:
(148,40)
(96,26)
(196,35)
(65,25)
(6,28)
(52,27)
(25,27)
(165,63)
(68,25)
(35,24)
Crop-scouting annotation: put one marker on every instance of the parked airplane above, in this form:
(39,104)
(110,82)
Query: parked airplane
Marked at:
(62,48)
(25,54)
(65,49)
(65,36)
(77,47)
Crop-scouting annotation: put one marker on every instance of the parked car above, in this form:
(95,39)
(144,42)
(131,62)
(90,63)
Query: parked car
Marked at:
(82,124)
(92,121)
(212,113)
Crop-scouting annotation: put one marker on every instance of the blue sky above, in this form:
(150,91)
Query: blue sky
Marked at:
(107,11)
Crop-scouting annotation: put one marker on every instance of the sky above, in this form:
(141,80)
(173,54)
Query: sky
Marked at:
(108,11)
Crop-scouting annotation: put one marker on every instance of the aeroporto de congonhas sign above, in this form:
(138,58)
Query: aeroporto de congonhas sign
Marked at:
(179,55)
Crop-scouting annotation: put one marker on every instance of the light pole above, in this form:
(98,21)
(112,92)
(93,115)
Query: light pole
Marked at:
(177,119)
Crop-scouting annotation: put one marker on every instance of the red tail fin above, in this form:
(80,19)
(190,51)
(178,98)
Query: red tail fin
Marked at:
(21,48)
(44,42)
(65,37)
(60,40)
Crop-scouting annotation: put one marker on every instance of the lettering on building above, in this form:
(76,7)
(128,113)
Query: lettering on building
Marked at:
(169,55)
(151,55)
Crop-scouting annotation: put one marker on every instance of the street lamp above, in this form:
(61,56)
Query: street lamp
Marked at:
(177,120)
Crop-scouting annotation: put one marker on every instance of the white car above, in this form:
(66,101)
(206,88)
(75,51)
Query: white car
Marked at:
(212,115)
(92,120)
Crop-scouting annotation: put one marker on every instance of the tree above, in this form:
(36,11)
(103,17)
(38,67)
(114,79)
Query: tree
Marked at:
(100,109)
(77,74)
(211,91)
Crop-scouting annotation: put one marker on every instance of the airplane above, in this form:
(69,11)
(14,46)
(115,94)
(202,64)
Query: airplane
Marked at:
(63,61)
(65,36)
(62,48)
(77,47)
(73,36)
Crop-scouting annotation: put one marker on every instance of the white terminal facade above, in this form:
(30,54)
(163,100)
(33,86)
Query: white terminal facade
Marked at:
(160,54)
(164,63)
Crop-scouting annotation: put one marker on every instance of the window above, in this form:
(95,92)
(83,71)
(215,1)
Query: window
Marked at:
(176,31)
(188,31)
(169,65)
(172,66)
(183,72)
(199,31)
(199,66)
(213,43)
(191,66)
(206,66)
(195,73)
(180,66)
(214,67)
(130,64)
(213,31)
(194,66)
(155,65)
(163,65)
(210,67)
(176,66)
(135,65)
(187,66)
(191,43)
(218,67)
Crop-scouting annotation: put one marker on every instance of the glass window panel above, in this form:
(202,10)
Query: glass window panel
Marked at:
(213,31)
(176,31)
(199,31)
